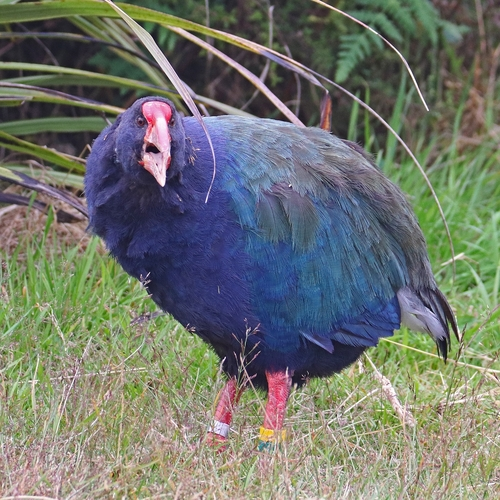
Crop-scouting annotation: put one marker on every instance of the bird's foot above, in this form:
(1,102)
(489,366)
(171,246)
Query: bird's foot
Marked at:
(216,441)
(219,429)
(272,432)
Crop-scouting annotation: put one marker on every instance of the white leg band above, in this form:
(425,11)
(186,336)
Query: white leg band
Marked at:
(219,428)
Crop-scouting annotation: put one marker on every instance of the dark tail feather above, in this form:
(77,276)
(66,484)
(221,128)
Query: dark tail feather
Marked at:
(427,310)
(435,300)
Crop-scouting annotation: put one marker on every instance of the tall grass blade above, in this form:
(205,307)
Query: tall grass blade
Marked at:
(68,162)
(30,183)
(259,84)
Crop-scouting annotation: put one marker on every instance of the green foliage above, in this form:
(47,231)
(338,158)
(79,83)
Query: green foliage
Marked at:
(400,21)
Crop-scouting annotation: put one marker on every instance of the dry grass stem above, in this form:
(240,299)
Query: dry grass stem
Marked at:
(403,412)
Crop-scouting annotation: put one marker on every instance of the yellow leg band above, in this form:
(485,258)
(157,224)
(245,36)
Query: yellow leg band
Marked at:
(271,436)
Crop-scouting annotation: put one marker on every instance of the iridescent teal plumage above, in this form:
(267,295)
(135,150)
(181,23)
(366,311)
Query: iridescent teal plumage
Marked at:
(333,239)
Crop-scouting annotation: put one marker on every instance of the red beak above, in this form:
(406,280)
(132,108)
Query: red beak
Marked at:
(157,141)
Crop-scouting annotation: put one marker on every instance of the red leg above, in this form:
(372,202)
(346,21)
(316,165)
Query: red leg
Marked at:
(279,385)
(227,399)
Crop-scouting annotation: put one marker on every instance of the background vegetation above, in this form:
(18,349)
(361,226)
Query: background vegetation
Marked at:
(98,402)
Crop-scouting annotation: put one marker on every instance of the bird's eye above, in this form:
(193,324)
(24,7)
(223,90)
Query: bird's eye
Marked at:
(141,121)
(172,122)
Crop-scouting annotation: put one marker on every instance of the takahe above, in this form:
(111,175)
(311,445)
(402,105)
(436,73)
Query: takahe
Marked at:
(301,257)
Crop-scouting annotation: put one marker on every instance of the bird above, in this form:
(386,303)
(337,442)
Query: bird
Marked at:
(284,248)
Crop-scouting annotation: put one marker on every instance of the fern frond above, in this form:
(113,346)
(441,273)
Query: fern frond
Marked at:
(353,50)
(396,20)
(402,16)
(380,23)
(427,16)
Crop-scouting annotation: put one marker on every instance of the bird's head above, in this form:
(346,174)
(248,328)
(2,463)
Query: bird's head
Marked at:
(150,140)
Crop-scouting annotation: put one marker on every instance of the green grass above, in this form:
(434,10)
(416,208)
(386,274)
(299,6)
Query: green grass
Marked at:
(94,407)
